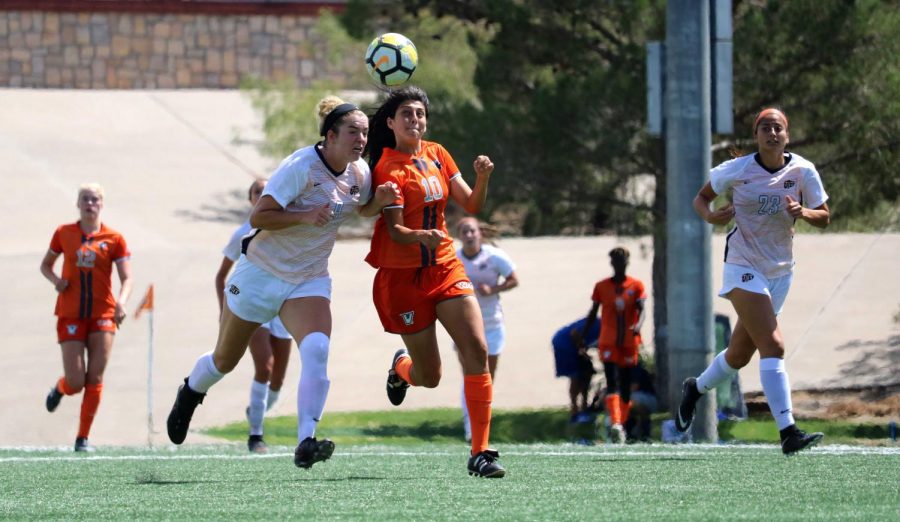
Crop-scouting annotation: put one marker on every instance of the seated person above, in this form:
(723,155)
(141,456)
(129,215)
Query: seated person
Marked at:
(643,404)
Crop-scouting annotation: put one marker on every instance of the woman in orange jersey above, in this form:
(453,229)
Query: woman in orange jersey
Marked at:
(87,311)
(622,298)
(420,279)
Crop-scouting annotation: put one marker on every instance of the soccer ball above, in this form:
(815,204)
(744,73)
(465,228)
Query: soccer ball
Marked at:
(391,59)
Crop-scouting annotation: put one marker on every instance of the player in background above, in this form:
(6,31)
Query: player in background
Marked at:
(622,299)
(491,271)
(770,189)
(88,313)
(283,269)
(420,280)
(270,345)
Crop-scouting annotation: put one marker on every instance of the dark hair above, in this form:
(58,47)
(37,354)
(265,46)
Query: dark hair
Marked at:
(380,136)
(620,253)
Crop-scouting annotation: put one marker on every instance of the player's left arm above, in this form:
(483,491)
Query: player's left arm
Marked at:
(642,314)
(509,282)
(472,199)
(123,268)
(818,217)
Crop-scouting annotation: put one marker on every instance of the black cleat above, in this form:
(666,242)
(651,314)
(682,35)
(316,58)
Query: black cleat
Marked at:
(256,444)
(485,465)
(794,439)
(53,398)
(180,417)
(689,397)
(396,386)
(310,451)
(81,444)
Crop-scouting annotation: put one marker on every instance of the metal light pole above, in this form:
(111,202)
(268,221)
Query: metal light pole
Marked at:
(688,140)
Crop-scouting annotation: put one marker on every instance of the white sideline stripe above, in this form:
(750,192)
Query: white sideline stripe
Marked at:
(610,451)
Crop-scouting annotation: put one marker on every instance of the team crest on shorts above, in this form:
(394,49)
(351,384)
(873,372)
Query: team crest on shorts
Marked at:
(71,328)
(234,290)
(465,285)
(746,277)
(408,318)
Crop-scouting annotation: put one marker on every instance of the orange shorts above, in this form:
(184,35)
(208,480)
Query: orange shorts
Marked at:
(78,329)
(406,298)
(624,356)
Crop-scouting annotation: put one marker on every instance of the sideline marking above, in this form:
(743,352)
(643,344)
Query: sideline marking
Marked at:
(650,453)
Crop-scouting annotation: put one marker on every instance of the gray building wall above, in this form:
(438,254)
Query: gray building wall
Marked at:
(128,50)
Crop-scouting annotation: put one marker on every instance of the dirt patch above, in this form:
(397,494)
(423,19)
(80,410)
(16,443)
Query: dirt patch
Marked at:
(873,404)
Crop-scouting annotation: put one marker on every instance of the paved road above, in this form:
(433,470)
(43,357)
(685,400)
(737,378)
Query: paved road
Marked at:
(175,184)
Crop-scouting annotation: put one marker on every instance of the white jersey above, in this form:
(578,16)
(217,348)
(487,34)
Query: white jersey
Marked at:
(304,182)
(763,232)
(233,249)
(486,268)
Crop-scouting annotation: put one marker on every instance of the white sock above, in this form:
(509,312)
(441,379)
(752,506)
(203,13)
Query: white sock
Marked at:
(258,392)
(204,374)
(467,426)
(715,374)
(775,385)
(272,398)
(313,388)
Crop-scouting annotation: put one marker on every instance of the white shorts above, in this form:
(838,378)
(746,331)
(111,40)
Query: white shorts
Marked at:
(256,295)
(496,340)
(276,328)
(746,278)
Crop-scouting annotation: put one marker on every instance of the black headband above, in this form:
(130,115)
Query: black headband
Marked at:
(334,115)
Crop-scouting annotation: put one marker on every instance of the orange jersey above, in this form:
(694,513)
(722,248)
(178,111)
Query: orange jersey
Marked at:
(619,311)
(87,266)
(424,183)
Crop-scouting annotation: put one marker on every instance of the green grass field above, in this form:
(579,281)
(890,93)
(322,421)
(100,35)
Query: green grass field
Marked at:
(411,465)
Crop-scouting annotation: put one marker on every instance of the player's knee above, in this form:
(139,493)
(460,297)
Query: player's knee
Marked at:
(314,349)
(75,385)
(773,347)
(430,377)
(224,363)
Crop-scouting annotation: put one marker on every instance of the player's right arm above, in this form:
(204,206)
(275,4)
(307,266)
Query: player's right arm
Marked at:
(47,271)
(588,323)
(720,216)
(393,218)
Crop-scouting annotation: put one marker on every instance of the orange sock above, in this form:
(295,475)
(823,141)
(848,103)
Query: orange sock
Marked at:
(63,387)
(626,409)
(404,369)
(614,408)
(479,392)
(89,403)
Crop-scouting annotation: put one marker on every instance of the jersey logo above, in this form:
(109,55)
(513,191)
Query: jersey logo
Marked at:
(71,328)
(465,285)
(234,290)
(408,318)
(437,164)
(746,277)
(789,183)
(354,190)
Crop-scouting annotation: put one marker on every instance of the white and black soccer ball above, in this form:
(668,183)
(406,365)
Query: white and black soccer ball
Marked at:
(391,59)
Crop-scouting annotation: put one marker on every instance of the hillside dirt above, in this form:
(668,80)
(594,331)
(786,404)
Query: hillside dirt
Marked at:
(864,404)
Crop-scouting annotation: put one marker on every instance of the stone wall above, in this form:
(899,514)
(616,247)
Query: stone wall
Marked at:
(129,50)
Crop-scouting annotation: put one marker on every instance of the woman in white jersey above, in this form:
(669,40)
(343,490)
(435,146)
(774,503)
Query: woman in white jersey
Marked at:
(491,272)
(771,190)
(283,271)
(270,346)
